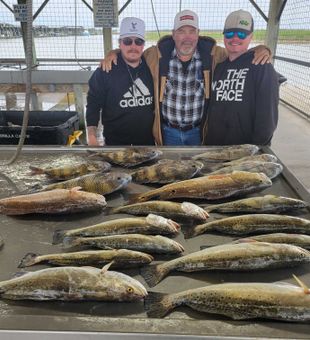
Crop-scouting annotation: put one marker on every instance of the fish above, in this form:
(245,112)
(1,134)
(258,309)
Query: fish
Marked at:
(100,183)
(150,225)
(261,204)
(71,170)
(167,171)
(249,256)
(299,240)
(150,244)
(270,169)
(174,210)
(238,301)
(128,157)
(73,284)
(227,152)
(253,224)
(120,258)
(57,201)
(208,187)
(212,166)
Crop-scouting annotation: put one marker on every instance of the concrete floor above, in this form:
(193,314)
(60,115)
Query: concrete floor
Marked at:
(291,143)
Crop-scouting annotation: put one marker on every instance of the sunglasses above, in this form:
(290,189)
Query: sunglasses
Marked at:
(240,35)
(129,41)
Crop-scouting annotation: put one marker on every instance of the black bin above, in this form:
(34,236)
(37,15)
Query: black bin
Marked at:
(44,127)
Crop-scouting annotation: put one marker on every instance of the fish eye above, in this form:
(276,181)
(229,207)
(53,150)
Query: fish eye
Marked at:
(129,290)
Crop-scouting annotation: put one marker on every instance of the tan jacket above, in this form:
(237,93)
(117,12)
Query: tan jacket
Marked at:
(152,56)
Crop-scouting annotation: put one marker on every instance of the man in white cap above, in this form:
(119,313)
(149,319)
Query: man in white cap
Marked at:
(182,66)
(124,96)
(244,100)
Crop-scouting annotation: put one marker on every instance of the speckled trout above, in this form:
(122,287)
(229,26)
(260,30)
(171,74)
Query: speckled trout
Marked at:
(57,201)
(232,257)
(71,170)
(167,171)
(270,169)
(128,157)
(253,224)
(227,152)
(209,187)
(174,210)
(212,166)
(299,240)
(120,258)
(239,301)
(73,284)
(263,204)
(150,225)
(145,243)
(100,183)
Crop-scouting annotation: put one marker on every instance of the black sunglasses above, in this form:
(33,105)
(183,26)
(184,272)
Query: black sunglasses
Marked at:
(129,41)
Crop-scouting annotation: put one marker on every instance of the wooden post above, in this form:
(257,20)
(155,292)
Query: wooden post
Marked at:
(273,25)
(107,40)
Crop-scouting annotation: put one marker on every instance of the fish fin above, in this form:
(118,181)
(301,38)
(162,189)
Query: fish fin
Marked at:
(74,189)
(157,305)
(205,246)
(92,153)
(28,260)
(35,170)
(217,176)
(58,236)
(19,274)
(154,274)
(246,240)
(302,285)
(106,267)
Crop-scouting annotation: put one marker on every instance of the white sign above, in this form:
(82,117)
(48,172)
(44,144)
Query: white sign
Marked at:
(105,13)
(20,12)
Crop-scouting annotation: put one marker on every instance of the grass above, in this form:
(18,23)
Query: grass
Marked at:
(284,35)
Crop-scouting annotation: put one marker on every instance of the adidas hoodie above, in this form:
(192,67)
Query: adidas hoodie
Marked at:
(127,108)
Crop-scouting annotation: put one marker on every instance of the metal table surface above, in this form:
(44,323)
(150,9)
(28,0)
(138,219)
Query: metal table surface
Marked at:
(123,320)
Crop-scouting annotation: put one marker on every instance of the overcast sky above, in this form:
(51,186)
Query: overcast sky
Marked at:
(211,13)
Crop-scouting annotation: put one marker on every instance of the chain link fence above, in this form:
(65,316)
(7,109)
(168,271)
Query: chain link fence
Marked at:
(65,36)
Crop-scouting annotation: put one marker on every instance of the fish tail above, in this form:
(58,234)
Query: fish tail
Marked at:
(154,274)
(35,170)
(157,305)
(190,232)
(28,260)
(70,241)
(58,236)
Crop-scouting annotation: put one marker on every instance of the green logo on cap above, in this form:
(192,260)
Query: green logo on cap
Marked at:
(244,22)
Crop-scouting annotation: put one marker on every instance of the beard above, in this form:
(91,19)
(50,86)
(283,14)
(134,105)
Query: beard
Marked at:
(186,49)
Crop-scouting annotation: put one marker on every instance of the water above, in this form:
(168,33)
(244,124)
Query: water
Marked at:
(91,47)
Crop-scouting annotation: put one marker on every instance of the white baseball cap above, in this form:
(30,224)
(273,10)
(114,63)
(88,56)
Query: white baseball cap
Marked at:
(132,27)
(186,18)
(239,21)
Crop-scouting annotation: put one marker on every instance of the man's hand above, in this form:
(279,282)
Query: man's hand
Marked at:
(262,55)
(106,63)
(91,133)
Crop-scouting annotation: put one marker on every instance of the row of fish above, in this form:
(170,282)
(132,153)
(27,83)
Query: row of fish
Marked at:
(227,299)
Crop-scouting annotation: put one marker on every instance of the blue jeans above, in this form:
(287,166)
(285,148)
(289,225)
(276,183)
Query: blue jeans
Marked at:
(172,136)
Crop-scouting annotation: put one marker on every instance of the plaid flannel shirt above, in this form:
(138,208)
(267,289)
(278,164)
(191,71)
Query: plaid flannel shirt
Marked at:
(183,100)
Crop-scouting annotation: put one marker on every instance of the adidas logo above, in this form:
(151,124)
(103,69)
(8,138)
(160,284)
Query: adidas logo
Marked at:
(138,95)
